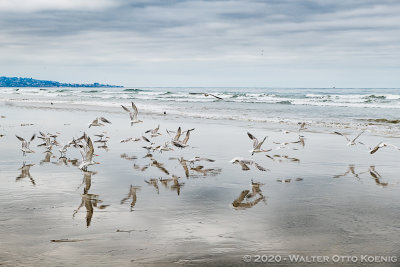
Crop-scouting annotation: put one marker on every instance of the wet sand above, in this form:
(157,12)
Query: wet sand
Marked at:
(331,211)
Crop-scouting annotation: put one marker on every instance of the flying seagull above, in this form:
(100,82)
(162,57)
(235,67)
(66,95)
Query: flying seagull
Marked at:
(132,113)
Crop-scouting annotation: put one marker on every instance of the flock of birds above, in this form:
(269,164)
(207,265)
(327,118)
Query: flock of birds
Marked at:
(178,139)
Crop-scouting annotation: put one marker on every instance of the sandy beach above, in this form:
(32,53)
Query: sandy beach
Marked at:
(345,202)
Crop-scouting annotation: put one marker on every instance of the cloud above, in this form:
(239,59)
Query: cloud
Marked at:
(189,35)
(23,6)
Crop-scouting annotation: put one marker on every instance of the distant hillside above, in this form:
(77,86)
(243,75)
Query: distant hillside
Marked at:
(29,82)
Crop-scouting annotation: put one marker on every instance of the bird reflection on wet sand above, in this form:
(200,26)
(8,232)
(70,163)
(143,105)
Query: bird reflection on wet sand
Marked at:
(87,180)
(131,194)
(376,176)
(176,185)
(351,169)
(90,201)
(154,183)
(248,199)
(47,157)
(25,172)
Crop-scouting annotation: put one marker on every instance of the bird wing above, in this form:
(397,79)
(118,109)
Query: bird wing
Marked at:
(125,108)
(260,144)
(261,168)
(178,134)
(90,151)
(342,135)
(186,137)
(255,141)
(244,166)
(135,111)
(104,120)
(20,138)
(358,136)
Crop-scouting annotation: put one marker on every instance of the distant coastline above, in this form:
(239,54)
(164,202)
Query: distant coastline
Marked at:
(29,82)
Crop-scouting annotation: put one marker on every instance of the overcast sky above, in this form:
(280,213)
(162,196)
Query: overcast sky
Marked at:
(298,43)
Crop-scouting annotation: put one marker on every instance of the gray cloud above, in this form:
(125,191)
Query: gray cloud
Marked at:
(174,37)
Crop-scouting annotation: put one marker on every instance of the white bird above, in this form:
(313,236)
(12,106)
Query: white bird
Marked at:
(256,144)
(244,162)
(25,144)
(181,144)
(87,152)
(197,158)
(380,145)
(96,122)
(351,142)
(154,132)
(132,113)
(129,139)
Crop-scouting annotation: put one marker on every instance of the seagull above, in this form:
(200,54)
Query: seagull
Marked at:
(154,132)
(87,153)
(181,144)
(197,159)
(25,144)
(351,142)
(217,97)
(302,126)
(47,142)
(127,157)
(96,122)
(256,144)
(129,139)
(132,113)
(244,162)
(380,145)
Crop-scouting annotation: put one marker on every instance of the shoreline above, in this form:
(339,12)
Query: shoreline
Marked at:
(377,126)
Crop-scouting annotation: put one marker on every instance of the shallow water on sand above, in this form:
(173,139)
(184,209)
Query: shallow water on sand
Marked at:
(331,211)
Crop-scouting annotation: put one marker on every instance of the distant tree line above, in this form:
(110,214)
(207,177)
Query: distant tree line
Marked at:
(29,82)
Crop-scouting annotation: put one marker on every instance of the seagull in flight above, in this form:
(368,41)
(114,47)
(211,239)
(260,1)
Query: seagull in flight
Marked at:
(245,162)
(256,144)
(132,113)
(25,144)
(380,145)
(351,142)
(96,122)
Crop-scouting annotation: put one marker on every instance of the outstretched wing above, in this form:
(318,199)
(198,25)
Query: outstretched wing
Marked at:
(178,134)
(135,111)
(255,141)
(342,135)
(358,136)
(20,138)
(104,120)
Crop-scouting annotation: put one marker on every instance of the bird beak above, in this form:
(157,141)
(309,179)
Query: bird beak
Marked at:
(97,162)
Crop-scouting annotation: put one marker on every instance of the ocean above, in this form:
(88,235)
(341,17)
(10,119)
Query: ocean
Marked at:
(324,107)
